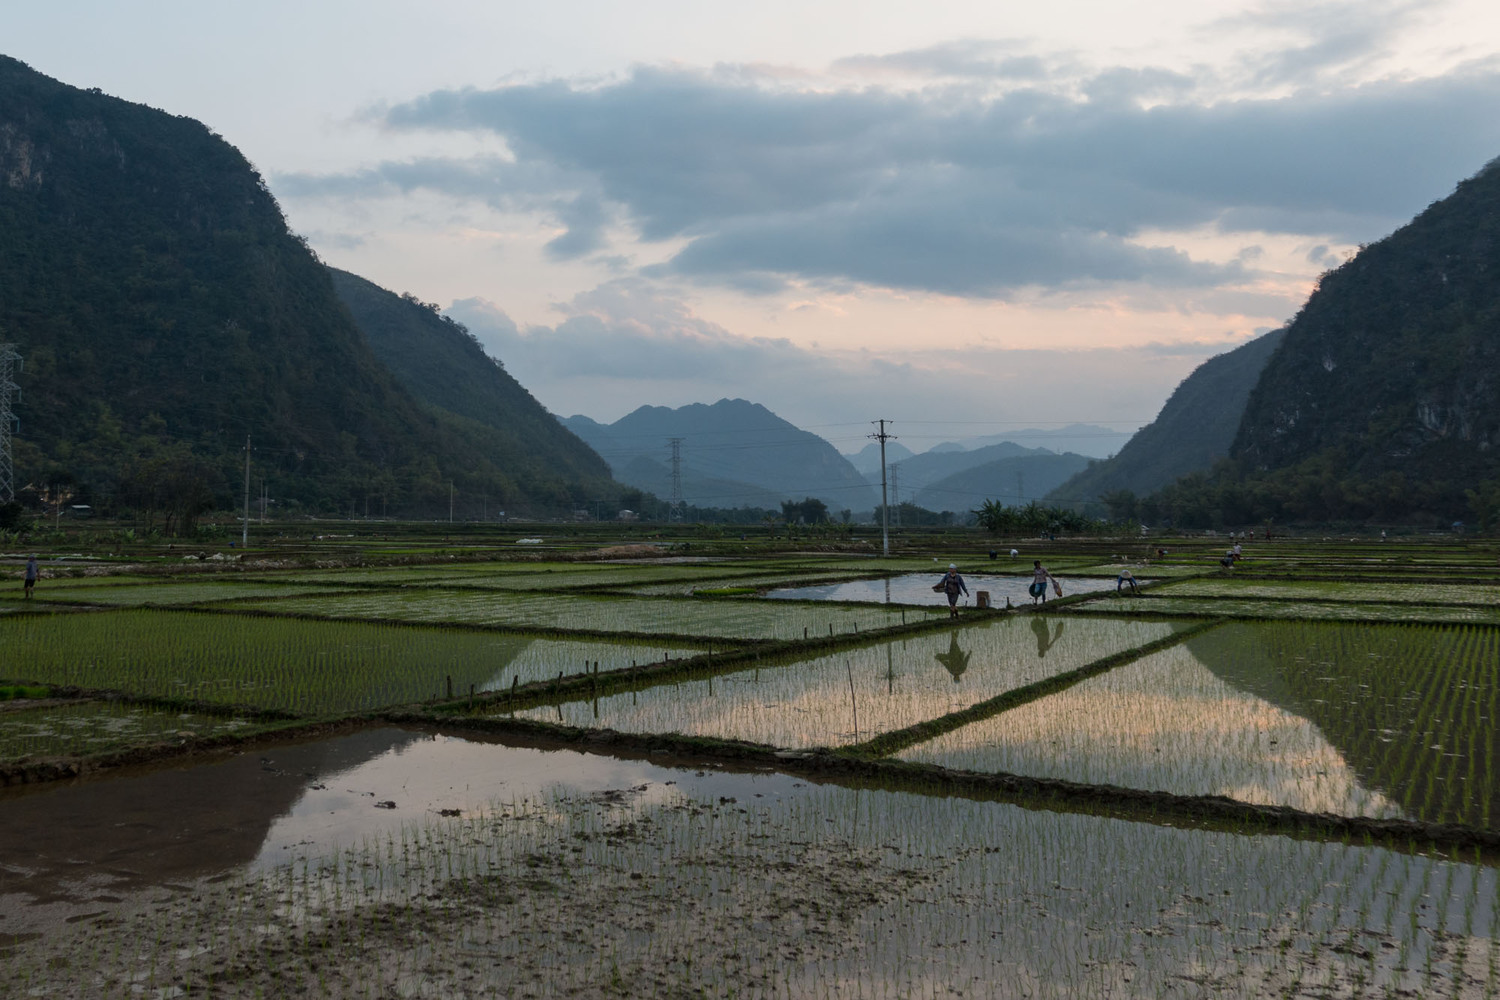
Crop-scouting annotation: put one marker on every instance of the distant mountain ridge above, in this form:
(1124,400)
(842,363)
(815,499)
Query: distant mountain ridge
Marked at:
(734,453)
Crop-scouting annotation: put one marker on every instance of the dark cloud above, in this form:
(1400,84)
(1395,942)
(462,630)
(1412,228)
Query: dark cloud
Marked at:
(958,189)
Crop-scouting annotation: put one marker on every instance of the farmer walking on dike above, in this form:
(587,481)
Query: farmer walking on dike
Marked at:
(1039,578)
(30,576)
(951,584)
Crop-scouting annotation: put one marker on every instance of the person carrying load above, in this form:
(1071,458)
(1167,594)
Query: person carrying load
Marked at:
(951,584)
(1039,578)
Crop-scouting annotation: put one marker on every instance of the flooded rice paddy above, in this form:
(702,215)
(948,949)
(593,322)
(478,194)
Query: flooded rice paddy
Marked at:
(916,588)
(715,883)
(473,850)
(856,694)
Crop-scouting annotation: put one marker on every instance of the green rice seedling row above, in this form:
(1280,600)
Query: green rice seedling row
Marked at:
(730,619)
(305,667)
(95,727)
(1311,611)
(1166,723)
(1415,711)
(1294,590)
(187,592)
(852,695)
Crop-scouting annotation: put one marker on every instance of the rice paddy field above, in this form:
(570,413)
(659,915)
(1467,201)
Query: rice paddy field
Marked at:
(751,774)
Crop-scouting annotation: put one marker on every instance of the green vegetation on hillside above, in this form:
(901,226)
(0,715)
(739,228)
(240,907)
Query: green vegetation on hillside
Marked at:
(165,313)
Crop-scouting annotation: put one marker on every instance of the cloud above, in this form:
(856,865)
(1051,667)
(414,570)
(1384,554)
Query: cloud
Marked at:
(1332,39)
(630,341)
(960,188)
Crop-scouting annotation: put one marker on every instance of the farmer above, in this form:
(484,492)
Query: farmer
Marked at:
(1039,578)
(951,584)
(1228,561)
(31,573)
(1125,577)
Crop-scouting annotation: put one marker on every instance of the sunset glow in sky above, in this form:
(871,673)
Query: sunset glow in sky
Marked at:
(960,216)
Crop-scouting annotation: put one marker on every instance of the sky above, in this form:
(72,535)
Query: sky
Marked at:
(961,217)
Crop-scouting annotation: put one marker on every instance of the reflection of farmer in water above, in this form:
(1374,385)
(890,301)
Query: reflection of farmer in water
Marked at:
(951,584)
(1044,639)
(955,661)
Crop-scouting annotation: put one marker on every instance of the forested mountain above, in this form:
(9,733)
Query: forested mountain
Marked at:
(445,368)
(1383,400)
(734,453)
(165,312)
(1194,429)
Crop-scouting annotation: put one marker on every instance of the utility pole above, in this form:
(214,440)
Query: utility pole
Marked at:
(1020,494)
(450,501)
(676,444)
(10,366)
(885,507)
(245,527)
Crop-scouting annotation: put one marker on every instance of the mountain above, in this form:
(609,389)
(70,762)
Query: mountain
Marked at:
(445,368)
(165,312)
(1390,373)
(1013,479)
(733,450)
(920,471)
(1194,429)
(866,461)
(1089,440)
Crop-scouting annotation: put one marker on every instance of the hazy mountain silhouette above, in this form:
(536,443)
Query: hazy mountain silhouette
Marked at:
(733,450)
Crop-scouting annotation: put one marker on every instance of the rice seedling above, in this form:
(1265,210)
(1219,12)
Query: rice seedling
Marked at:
(849,696)
(185,592)
(1297,611)
(1166,723)
(917,589)
(100,727)
(706,887)
(695,619)
(307,667)
(1360,592)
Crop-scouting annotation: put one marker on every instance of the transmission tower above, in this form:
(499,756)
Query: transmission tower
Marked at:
(896,490)
(885,507)
(10,366)
(676,511)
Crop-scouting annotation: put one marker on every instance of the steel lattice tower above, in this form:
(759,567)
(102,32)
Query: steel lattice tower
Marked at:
(676,444)
(10,365)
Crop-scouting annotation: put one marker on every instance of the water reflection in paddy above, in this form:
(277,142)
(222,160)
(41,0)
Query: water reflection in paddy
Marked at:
(916,588)
(1166,723)
(76,847)
(852,695)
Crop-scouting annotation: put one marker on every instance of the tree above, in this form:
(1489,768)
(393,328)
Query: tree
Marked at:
(809,511)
